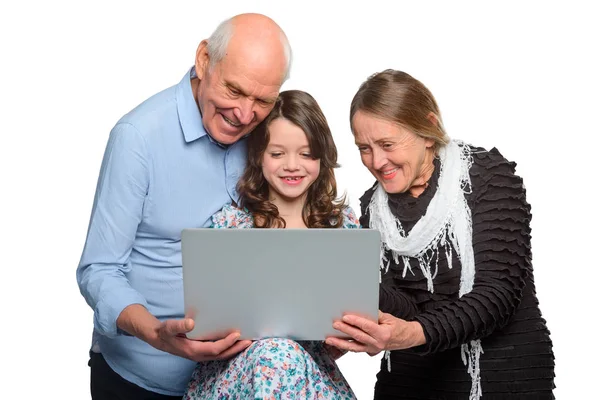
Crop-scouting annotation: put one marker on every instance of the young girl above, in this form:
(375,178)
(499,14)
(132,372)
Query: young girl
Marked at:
(288,183)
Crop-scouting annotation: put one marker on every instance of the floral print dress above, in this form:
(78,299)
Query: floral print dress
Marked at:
(274,368)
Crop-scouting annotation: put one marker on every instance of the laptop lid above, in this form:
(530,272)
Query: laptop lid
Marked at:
(289,283)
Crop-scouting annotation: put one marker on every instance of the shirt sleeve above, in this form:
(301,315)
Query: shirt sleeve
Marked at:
(116,213)
(501,244)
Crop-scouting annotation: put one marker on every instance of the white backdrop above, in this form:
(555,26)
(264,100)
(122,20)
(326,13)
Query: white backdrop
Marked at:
(520,76)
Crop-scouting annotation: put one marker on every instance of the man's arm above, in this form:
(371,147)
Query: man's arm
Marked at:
(116,214)
(101,275)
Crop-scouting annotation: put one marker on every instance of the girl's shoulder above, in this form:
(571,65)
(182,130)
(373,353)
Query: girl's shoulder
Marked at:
(350,219)
(231,216)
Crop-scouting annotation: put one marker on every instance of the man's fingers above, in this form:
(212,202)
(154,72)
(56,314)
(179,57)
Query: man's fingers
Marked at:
(220,346)
(176,327)
(235,349)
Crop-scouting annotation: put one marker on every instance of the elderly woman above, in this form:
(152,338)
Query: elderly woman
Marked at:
(459,316)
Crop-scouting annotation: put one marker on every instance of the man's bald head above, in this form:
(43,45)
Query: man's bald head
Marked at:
(256,33)
(240,70)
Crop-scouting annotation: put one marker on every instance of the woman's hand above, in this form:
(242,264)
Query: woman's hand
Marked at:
(389,333)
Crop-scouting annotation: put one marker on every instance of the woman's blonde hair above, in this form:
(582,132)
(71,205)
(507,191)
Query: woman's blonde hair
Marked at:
(398,97)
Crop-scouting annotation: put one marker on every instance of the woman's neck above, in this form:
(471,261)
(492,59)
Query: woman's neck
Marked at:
(422,180)
(289,209)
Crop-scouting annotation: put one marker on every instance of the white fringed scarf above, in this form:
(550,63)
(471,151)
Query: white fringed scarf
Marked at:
(446,224)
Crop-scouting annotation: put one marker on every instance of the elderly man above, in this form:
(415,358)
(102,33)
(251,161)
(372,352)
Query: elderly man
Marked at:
(170,164)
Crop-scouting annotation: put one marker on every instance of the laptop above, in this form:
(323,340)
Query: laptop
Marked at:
(290,283)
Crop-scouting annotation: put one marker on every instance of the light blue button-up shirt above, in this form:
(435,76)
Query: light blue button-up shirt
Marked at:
(161,173)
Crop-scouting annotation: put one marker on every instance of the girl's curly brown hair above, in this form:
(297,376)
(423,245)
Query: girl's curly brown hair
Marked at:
(321,209)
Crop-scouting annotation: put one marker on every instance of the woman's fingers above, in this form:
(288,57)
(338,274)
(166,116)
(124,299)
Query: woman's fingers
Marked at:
(355,333)
(347,345)
(364,324)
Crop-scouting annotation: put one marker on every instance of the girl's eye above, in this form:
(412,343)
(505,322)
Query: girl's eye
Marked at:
(276,154)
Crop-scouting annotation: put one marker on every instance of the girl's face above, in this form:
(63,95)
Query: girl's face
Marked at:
(287,164)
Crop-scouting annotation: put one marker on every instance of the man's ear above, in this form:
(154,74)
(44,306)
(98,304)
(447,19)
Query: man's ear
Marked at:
(202,59)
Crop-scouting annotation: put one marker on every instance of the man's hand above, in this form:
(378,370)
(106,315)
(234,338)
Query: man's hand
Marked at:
(169,336)
(389,333)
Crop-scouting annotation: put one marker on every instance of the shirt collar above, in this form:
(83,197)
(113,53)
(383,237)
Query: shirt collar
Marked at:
(187,108)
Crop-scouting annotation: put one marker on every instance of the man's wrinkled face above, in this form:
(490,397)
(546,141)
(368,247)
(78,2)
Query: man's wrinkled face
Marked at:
(236,94)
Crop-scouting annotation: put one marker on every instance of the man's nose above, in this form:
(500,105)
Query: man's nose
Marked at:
(244,112)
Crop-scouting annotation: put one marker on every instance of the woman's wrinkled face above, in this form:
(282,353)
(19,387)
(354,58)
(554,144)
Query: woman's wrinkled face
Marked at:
(395,156)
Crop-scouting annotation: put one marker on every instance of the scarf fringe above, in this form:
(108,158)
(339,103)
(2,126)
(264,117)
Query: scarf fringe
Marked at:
(470,357)
(387,357)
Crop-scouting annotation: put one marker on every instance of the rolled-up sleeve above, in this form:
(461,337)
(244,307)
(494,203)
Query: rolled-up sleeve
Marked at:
(116,213)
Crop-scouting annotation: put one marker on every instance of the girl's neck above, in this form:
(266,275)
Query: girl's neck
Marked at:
(289,209)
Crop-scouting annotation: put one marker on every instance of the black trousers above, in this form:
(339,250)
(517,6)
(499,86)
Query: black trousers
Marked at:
(106,384)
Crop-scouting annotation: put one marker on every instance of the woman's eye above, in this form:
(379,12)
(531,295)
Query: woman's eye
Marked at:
(363,149)
(275,155)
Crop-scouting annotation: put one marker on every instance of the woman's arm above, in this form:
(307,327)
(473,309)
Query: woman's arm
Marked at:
(395,301)
(501,245)
(391,299)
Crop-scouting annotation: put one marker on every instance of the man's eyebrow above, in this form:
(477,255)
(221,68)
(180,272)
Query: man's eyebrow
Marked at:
(269,100)
(237,88)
